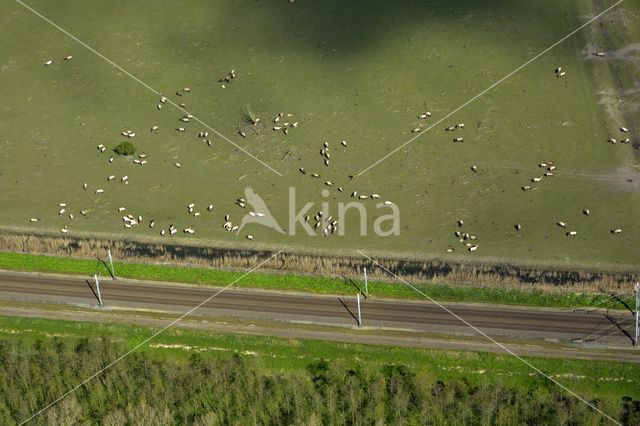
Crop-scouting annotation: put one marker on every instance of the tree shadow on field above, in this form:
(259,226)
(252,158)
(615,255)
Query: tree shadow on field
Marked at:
(339,27)
(358,23)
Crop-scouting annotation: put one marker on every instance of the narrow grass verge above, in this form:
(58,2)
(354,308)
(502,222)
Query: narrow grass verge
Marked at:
(303,283)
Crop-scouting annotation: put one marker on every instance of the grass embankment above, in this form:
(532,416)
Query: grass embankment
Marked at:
(592,379)
(312,284)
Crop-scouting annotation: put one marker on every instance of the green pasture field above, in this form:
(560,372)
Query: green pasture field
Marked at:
(593,379)
(355,71)
(309,283)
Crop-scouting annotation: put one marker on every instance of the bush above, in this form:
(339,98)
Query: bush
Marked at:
(149,388)
(125,148)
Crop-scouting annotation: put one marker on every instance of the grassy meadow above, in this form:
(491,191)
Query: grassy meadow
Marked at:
(355,71)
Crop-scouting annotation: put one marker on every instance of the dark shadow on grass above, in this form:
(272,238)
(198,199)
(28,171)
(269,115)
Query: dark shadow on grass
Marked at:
(623,303)
(350,281)
(607,303)
(107,267)
(335,29)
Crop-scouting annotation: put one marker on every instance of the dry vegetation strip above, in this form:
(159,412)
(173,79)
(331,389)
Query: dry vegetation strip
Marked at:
(336,275)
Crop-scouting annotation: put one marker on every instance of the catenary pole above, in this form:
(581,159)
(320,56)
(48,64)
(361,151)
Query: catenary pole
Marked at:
(637,318)
(95,276)
(113,271)
(359,315)
(366,285)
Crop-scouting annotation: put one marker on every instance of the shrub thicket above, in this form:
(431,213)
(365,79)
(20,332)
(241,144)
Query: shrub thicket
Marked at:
(125,148)
(142,389)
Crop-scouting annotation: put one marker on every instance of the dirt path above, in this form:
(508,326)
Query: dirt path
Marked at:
(625,179)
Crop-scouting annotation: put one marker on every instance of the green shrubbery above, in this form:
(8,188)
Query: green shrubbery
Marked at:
(125,148)
(141,389)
